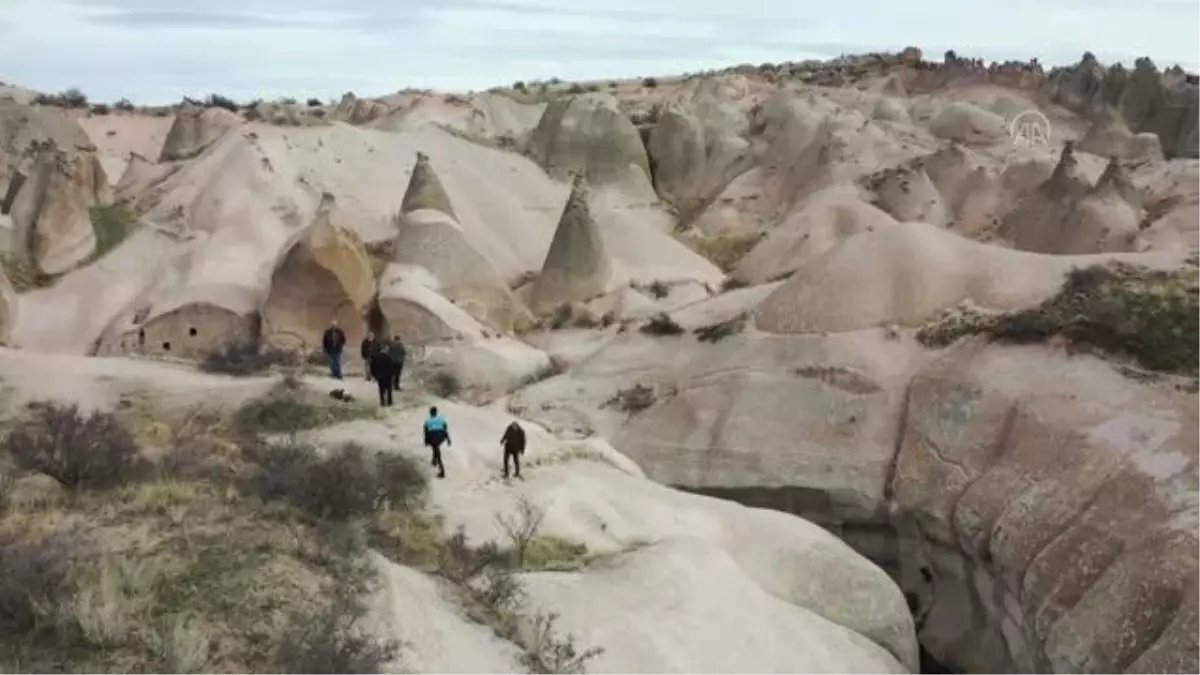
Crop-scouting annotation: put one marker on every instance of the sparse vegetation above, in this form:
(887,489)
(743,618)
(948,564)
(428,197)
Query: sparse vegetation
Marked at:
(124,105)
(724,252)
(443,383)
(661,325)
(112,224)
(722,329)
(71,98)
(547,652)
(23,273)
(314,102)
(243,357)
(521,526)
(633,400)
(650,82)
(114,569)
(658,289)
(571,315)
(100,109)
(732,283)
(289,408)
(80,452)
(1147,315)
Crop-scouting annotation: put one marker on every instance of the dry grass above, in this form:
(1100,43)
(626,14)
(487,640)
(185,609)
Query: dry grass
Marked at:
(1146,315)
(724,252)
(191,566)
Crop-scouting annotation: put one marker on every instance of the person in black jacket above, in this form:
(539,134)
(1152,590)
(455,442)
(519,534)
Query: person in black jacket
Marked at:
(381,370)
(513,441)
(396,351)
(369,346)
(333,341)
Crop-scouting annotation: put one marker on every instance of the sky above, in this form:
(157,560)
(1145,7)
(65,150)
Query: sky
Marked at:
(157,51)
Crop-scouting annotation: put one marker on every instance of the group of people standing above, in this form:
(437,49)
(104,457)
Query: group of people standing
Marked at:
(383,359)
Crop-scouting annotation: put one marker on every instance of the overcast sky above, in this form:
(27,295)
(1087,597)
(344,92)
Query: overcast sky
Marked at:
(155,51)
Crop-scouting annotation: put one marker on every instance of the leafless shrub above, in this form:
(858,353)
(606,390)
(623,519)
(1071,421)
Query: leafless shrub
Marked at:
(96,451)
(548,652)
(332,641)
(461,562)
(521,526)
(661,325)
(245,357)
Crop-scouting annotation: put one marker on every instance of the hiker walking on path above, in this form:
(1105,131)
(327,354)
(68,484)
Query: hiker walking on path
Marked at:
(397,352)
(333,341)
(369,346)
(513,441)
(381,371)
(436,433)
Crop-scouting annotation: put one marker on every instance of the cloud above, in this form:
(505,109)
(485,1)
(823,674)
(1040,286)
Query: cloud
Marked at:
(252,48)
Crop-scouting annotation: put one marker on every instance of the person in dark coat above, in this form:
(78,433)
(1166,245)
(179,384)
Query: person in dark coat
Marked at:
(333,341)
(381,371)
(397,352)
(436,433)
(369,346)
(513,441)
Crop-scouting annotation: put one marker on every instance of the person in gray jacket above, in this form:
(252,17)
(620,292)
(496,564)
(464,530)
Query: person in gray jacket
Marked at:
(396,351)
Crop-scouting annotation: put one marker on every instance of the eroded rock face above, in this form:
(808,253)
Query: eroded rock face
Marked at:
(589,135)
(8,307)
(51,211)
(1053,505)
(326,275)
(425,190)
(194,130)
(577,266)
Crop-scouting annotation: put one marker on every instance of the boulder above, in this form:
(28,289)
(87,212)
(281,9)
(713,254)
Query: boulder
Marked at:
(195,129)
(577,267)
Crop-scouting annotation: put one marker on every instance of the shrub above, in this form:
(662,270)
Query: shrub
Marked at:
(650,82)
(461,562)
(521,526)
(632,400)
(331,641)
(244,358)
(519,86)
(348,483)
(659,290)
(444,384)
(314,102)
(576,88)
(721,330)
(100,109)
(548,652)
(35,582)
(219,101)
(124,105)
(287,100)
(1147,315)
(732,283)
(96,451)
(661,324)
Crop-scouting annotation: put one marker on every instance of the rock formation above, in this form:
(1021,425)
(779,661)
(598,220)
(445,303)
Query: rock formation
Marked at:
(325,275)
(577,267)
(195,129)
(968,124)
(588,134)
(1109,136)
(907,193)
(354,110)
(51,212)
(425,190)
(1037,223)
(9,304)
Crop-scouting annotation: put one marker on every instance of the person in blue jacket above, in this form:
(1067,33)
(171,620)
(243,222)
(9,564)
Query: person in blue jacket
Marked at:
(436,433)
